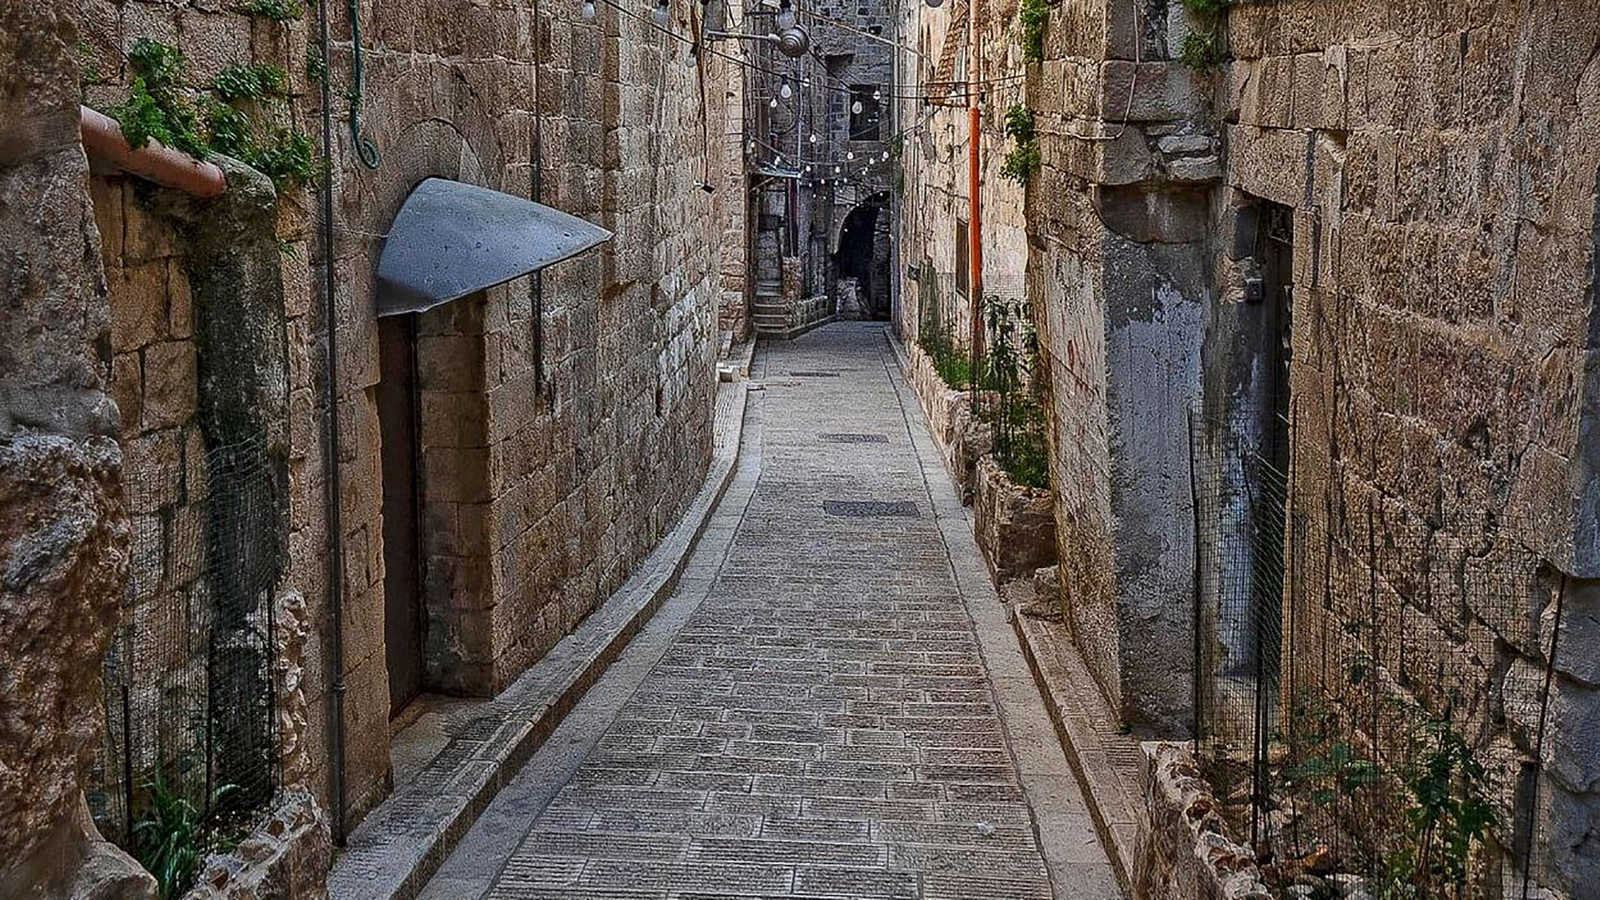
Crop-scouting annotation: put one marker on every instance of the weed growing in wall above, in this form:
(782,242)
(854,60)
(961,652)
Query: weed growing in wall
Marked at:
(950,361)
(238,117)
(1202,48)
(1033,17)
(1022,160)
(276,10)
(1013,408)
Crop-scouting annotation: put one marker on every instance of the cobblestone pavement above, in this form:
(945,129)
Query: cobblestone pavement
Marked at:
(810,715)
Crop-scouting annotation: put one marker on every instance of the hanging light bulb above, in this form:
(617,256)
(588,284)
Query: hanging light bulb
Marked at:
(813,139)
(785,91)
(808,168)
(885,156)
(856,107)
(662,13)
(752,146)
(773,103)
(837,170)
(851,155)
(877,95)
(588,10)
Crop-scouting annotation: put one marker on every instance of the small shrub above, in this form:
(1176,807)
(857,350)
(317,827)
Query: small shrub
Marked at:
(1015,410)
(160,108)
(168,837)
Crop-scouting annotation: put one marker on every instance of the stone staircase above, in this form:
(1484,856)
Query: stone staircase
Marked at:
(768,310)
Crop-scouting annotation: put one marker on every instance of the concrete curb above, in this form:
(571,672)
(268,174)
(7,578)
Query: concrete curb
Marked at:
(402,843)
(1088,754)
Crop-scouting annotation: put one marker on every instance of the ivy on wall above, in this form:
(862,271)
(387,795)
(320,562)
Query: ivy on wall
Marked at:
(238,116)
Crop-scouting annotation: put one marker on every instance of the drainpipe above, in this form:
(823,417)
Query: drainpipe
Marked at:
(335,546)
(974,205)
(156,162)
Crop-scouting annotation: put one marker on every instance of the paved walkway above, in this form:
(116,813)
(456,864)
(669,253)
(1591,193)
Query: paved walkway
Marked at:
(811,714)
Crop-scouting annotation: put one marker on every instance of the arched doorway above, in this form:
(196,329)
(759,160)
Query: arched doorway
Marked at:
(861,263)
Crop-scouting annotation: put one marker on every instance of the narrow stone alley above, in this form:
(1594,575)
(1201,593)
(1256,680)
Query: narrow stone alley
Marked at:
(831,703)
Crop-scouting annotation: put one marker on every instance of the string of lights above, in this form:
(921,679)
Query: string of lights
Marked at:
(661,14)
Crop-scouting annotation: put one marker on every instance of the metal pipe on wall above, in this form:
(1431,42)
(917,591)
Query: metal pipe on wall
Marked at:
(974,203)
(335,545)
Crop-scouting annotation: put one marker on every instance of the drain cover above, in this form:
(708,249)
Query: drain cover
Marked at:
(871,509)
(851,437)
(815,374)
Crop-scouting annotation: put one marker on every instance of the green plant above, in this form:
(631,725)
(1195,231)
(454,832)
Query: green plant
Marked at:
(251,82)
(1201,51)
(1202,48)
(1449,812)
(160,108)
(952,363)
(167,838)
(1022,160)
(1014,410)
(1324,779)
(1033,17)
(316,66)
(276,10)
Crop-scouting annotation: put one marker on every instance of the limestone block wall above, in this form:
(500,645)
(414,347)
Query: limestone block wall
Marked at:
(595,435)
(1119,275)
(933,187)
(1441,166)
(592,429)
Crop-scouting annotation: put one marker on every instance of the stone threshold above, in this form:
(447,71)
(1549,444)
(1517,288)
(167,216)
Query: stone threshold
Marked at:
(399,845)
(1106,763)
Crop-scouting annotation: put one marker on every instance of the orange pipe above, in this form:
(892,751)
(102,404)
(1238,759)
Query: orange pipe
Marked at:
(974,204)
(103,140)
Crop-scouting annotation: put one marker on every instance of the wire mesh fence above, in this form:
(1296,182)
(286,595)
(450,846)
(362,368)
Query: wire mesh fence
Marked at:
(188,752)
(1372,688)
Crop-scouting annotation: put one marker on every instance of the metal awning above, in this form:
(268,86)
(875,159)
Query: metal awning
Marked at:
(451,239)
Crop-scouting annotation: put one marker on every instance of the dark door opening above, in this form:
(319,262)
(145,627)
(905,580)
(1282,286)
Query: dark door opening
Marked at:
(861,263)
(402,584)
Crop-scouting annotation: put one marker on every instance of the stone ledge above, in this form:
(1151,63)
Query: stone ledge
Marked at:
(1107,764)
(1184,851)
(401,843)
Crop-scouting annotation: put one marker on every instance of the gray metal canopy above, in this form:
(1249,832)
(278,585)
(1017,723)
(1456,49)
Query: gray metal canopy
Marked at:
(452,239)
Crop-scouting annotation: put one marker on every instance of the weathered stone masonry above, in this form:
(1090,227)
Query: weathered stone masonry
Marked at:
(542,486)
(1375,219)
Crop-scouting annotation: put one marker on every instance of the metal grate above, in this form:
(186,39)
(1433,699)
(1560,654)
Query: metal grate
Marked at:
(1352,707)
(871,509)
(188,679)
(810,374)
(852,437)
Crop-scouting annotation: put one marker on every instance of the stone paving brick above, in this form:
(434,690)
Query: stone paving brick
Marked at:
(821,723)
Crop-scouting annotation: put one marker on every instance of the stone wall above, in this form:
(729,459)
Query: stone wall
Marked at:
(64,530)
(587,444)
(592,454)
(933,187)
(1440,163)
